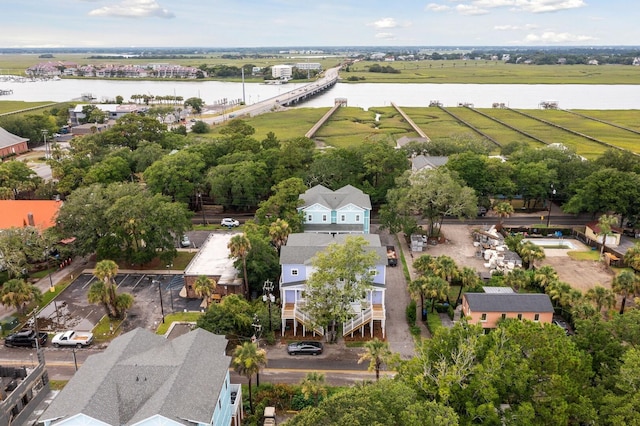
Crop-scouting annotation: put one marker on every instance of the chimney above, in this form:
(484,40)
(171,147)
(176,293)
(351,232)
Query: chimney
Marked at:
(30,220)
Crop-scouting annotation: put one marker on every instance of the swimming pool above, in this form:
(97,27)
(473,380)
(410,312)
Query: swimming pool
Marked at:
(552,242)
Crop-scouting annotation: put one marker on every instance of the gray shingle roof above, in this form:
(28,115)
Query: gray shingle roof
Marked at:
(302,247)
(335,199)
(419,162)
(142,374)
(505,302)
(9,139)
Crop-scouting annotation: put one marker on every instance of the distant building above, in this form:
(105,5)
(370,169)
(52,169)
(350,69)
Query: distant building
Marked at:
(313,66)
(11,144)
(430,162)
(113,111)
(283,72)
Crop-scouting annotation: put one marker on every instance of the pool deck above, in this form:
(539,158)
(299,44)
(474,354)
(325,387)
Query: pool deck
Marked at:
(552,252)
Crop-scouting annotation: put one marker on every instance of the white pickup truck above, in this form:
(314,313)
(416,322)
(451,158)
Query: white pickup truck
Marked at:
(72,338)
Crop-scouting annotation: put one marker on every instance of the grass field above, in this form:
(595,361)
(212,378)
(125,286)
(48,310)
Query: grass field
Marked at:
(488,72)
(451,71)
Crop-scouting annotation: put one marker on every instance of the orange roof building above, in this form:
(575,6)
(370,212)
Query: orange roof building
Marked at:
(18,213)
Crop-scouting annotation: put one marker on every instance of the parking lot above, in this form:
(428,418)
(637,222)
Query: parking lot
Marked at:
(71,310)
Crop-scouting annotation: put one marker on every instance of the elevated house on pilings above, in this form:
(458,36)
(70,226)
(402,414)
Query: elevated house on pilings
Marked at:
(369,313)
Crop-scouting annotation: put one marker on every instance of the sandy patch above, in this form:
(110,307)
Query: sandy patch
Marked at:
(580,274)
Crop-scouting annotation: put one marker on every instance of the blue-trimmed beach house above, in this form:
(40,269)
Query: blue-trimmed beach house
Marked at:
(344,211)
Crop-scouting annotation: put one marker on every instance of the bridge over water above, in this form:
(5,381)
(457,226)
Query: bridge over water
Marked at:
(292,97)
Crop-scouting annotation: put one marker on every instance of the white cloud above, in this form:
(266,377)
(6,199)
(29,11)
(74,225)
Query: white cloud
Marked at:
(134,9)
(434,7)
(467,9)
(385,23)
(553,37)
(543,6)
(533,6)
(515,27)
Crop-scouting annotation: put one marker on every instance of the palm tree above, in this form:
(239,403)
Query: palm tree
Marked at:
(530,252)
(239,246)
(518,279)
(204,287)
(247,361)
(624,284)
(378,353)
(416,288)
(632,257)
(279,233)
(105,292)
(605,223)
(583,310)
(503,209)
(17,293)
(424,264)
(313,384)
(545,276)
(602,297)
(558,292)
(435,288)
(468,278)
(98,295)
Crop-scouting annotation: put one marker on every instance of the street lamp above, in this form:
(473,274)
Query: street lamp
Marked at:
(52,288)
(204,221)
(267,289)
(160,292)
(45,132)
(170,287)
(553,192)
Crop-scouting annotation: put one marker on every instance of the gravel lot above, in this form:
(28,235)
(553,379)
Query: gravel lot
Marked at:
(581,275)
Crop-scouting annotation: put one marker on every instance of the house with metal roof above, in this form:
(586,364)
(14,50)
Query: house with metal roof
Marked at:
(487,309)
(11,144)
(143,379)
(295,261)
(343,211)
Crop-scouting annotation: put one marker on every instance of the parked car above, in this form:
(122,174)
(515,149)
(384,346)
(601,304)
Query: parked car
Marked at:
(305,348)
(26,338)
(562,324)
(227,221)
(185,241)
(72,338)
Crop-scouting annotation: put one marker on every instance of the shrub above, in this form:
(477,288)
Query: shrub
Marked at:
(299,402)
(411,312)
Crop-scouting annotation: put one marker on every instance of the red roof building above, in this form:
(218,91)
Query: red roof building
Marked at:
(39,213)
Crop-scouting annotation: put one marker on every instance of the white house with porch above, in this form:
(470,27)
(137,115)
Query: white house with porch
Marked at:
(295,259)
(344,211)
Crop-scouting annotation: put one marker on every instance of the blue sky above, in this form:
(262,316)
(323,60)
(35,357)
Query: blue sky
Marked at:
(264,23)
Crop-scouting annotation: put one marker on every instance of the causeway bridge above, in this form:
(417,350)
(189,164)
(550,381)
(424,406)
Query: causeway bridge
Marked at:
(293,97)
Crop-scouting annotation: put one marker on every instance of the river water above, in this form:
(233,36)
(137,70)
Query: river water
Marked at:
(364,95)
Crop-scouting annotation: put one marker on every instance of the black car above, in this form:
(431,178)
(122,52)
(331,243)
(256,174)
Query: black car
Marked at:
(305,348)
(26,338)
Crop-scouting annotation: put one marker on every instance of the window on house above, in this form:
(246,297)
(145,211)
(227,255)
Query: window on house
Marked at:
(536,317)
(504,316)
(309,218)
(294,272)
(343,218)
(519,316)
(357,218)
(483,317)
(324,217)
(374,272)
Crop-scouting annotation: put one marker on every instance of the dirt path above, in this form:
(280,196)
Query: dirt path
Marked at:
(581,275)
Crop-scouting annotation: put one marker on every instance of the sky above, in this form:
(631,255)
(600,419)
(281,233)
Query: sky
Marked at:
(289,23)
